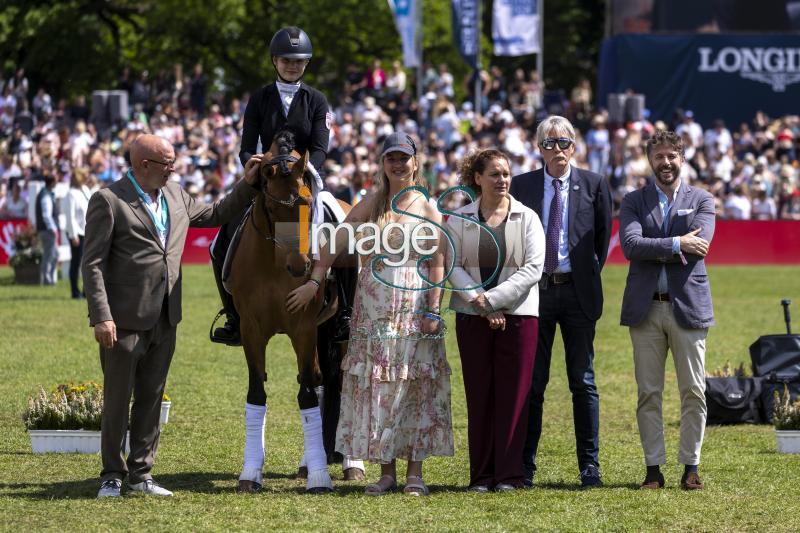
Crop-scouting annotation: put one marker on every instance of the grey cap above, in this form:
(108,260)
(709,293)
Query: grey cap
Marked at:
(399,142)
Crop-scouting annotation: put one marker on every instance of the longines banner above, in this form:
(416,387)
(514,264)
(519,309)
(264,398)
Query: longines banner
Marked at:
(716,76)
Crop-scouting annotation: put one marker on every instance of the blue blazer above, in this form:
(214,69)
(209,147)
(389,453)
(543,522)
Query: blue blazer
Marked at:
(649,248)
(588,227)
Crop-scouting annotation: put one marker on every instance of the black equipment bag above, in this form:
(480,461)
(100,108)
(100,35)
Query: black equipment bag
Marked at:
(733,400)
(775,353)
(778,381)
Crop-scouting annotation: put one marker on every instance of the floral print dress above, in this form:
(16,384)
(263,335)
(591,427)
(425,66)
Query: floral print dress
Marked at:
(396,381)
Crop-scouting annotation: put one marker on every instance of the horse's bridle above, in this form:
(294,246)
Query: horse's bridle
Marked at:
(283,162)
(287,244)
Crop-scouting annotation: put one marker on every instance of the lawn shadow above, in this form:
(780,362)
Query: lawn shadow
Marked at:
(189,482)
(574,487)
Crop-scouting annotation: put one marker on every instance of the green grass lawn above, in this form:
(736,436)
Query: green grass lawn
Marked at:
(47,340)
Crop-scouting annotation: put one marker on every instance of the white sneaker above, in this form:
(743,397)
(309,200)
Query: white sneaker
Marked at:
(149,487)
(110,489)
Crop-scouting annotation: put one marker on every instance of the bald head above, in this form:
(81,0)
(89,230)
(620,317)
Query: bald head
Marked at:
(152,158)
(148,146)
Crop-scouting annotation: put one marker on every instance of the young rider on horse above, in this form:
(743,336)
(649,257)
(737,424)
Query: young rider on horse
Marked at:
(288,103)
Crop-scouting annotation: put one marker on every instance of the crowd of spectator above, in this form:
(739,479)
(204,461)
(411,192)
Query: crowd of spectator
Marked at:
(753,171)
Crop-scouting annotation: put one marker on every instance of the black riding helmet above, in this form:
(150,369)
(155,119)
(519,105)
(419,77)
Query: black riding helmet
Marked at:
(292,43)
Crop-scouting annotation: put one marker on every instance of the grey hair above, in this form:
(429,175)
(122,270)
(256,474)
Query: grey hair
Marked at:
(562,127)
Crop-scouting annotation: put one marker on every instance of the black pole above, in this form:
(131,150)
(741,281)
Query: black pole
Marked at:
(786,318)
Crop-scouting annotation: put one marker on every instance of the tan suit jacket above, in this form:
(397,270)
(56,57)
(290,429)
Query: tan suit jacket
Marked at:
(126,270)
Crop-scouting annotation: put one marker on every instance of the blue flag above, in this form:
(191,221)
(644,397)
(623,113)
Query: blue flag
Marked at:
(515,27)
(465,30)
(405,18)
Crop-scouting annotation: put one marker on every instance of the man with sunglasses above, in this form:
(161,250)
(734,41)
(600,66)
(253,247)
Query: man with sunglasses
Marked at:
(575,208)
(135,234)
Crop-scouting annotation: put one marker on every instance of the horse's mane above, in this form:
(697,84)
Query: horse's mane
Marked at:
(285,140)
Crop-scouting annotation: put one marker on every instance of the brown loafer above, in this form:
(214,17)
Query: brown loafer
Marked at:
(691,481)
(653,483)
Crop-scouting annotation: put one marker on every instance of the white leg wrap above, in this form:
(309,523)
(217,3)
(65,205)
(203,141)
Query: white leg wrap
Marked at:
(255,418)
(314,451)
(349,462)
(320,392)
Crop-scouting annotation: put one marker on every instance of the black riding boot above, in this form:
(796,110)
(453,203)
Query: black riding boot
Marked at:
(347,278)
(228,333)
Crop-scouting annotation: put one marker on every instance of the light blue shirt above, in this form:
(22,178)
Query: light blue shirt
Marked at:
(157,210)
(47,212)
(563,238)
(666,206)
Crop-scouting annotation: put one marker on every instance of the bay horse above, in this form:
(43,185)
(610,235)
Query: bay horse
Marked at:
(267,265)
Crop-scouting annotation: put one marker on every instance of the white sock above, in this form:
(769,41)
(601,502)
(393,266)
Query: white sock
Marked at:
(255,418)
(349,462)
(314,449)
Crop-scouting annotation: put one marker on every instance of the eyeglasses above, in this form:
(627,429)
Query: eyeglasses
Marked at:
(562,142)
(165,164)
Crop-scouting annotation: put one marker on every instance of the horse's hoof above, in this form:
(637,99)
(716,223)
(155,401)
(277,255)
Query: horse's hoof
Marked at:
(319,490)
(248,487)
(302,472)
(353,474)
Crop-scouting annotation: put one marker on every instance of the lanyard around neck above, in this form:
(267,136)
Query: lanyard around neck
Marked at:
(161,225)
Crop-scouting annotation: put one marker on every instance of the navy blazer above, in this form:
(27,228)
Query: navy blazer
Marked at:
(649,248)
(588,227)
(264,117)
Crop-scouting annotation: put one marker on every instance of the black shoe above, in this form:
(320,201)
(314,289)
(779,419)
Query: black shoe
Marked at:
(590,477)
(228,334)
(480,489)
(527,481)
(504,487)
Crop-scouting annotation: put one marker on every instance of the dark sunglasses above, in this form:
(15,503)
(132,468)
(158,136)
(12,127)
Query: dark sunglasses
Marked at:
(562,142)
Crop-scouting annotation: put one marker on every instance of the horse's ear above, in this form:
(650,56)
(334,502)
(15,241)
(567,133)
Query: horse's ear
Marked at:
(299,168)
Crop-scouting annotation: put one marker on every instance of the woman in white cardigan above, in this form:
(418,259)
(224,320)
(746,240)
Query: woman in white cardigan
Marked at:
(74,208)
(497,261)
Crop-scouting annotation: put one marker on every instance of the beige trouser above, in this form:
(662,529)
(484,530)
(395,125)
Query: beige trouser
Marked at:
(658,332)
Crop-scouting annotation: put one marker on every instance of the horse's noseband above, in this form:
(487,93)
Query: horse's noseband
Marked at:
(283,161)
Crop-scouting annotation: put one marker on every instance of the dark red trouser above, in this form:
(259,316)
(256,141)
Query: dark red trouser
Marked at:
(497,367)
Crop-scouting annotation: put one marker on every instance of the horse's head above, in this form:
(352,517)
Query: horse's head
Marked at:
(282,176)
(282,170)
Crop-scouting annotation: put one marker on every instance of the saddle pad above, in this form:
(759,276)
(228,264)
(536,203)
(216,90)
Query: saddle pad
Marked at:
(226,266)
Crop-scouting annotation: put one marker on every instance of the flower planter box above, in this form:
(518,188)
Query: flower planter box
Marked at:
(788,441)
(67,441)
(165,406)
(27,274)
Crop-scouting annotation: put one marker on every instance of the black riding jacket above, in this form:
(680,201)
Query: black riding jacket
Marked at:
(264,117)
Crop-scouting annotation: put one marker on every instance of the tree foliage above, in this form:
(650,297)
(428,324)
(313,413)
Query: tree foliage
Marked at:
(74,46)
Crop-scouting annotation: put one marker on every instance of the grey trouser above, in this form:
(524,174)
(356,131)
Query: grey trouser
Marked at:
(138,363)
(49,257)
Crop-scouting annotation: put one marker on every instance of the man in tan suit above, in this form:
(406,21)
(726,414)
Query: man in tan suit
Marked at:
(135,233)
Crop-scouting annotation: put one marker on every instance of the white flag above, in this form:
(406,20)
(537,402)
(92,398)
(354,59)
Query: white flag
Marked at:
(405,18)
(515,27)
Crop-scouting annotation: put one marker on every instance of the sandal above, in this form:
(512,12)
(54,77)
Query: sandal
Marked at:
(375,489)
(415,486)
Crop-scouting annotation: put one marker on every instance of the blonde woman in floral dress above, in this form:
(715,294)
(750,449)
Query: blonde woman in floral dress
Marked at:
(396,384)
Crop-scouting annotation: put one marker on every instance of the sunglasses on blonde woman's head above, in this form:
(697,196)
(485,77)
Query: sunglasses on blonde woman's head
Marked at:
(562,142)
